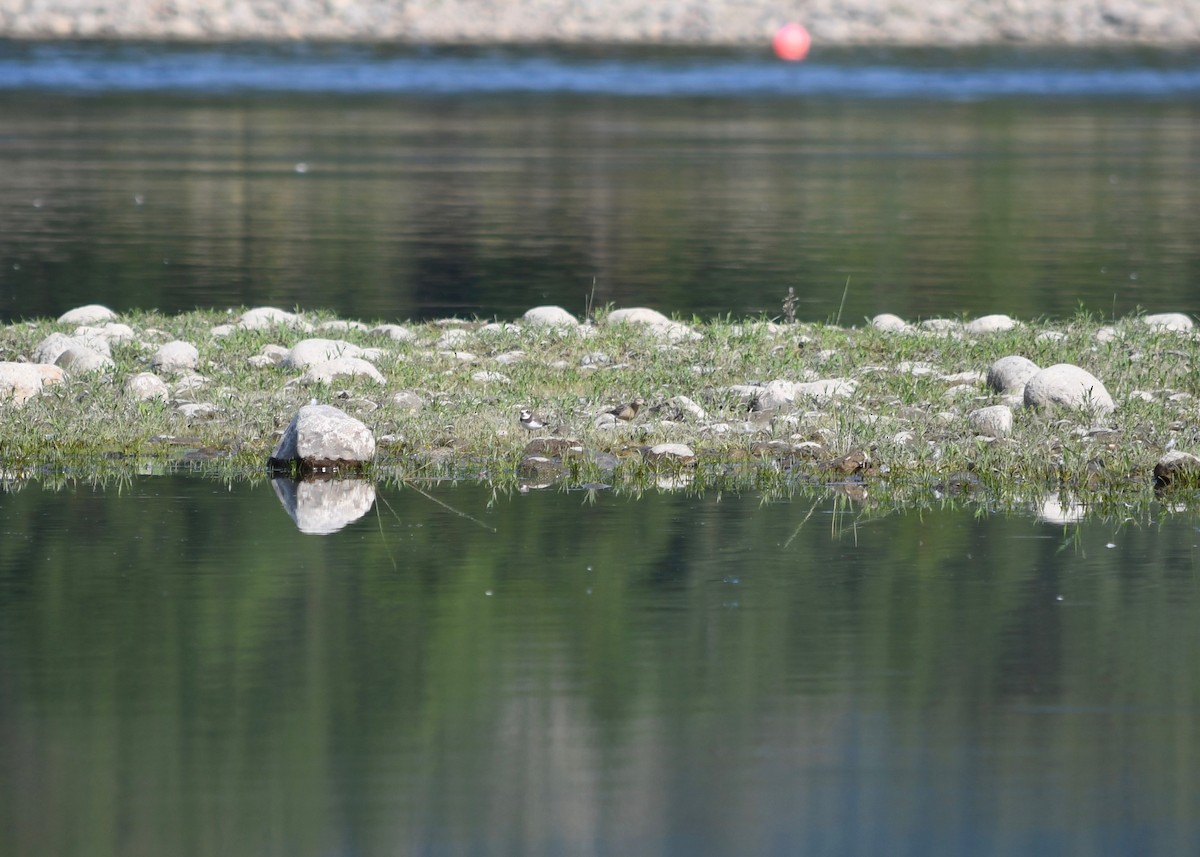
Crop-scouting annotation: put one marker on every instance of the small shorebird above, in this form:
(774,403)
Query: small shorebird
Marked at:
(531,421)
(629,410)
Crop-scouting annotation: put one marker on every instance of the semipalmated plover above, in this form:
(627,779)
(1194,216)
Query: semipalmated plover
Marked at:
(531,421)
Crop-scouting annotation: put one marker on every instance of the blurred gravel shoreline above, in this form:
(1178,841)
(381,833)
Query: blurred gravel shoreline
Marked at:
(687,22)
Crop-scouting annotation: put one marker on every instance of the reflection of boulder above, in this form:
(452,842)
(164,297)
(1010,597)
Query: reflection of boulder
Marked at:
(323,507)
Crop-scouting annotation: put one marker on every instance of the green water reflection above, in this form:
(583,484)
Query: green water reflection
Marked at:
(412,207)
(183,672)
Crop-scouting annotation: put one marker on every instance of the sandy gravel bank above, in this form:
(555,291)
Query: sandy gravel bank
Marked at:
(699,22)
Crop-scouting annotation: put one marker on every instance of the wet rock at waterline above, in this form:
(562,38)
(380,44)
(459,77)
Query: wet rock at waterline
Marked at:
(670,453)
(1178,469)
(539,471)
(321,437)
(323,506)
(1011,374)
(1068,386)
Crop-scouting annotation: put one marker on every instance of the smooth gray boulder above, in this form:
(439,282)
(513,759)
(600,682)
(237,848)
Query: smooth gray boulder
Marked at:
(176,356)
(79,359)
(1011,374)
(550,315)
(323,436)
(321,507)
(1067,385)
(994,421)
(90,314)
(393,331)
(678,453)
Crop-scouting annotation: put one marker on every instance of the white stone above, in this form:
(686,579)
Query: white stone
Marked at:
(268,316)
(886,321)
(451,339)
(688,406)
(990,324)
(508,358)
(486,377)
(79,359)
(111,332)
(322,433)
(324,373)
(177,356)
(341,325)
(90,314)
(679,452)
(48,350)
(941,325)
(270,355)
(146,385)
(1067,385)
(550,315)
(19,382)
(1010,374)
(198,410)
(636,315)
(1107,334)
(825,390)
(995,421)
(309,352)
(1168,321)
(220,330)
(394,331)
(322,507)
(407,400)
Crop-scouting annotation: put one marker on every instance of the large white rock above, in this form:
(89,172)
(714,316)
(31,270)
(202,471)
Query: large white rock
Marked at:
(20,382)
(891,323)
(90,314)
(176,356)
(323,507)
(680,453)
(342,367)
(1011,374)
(308,352)
(550,315)
(991,324)
(111,332)
(1168,321)
(636,315)
(322,435)
(1067,385)
(995,421)
(268,316)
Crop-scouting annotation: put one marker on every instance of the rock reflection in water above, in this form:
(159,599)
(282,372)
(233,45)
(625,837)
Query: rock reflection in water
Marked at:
(320,507)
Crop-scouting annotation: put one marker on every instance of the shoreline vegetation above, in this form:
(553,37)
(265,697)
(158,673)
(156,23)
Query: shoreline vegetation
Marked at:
(933,23)
(887,412)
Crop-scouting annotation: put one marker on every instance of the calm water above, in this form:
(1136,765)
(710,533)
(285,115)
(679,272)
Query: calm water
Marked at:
(389,185)
(182,671)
